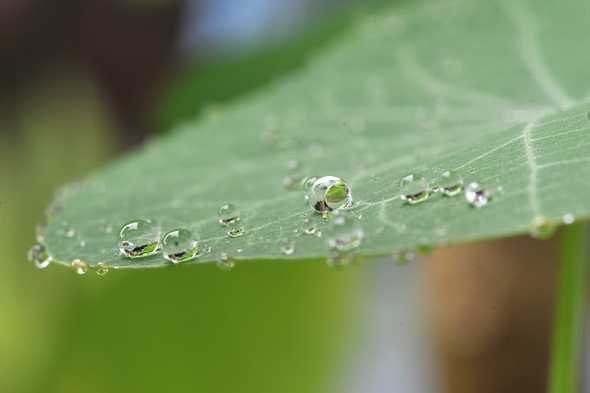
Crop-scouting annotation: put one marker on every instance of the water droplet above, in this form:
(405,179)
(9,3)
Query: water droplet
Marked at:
(139,238)
(542,228)
(39,255)
(80,267)
(287,247)
(236,232)
(403,257)
(228,214)
(225,262)
(310,231)
(414,189)
(449,183)
(180,245)
(329,193)
(70,233)
(102,268)
(82,243)
(347,236)
(476,195)
(239,250)
(568,218)
(40,232)
(293,164)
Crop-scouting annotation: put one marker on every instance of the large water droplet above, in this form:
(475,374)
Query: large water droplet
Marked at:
(449,183)
(79,266)
(225,262)
(228,214)
(329,193)
(102,268)
(542,228)
(38,254)
(180,245)
(139,238)
(476,195)
(414,189)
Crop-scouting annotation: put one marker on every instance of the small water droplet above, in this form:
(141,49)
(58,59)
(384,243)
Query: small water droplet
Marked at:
(310,231)
(347,236)
(293,164)
(568,218)
(180,245)
(82,243)
(225,262)
(476,195)
(287,247)
(235,232)
(542,228)
(414,189)
(38,254)
(40,232)
(102,268)
(139,238)
(403,257)
(239,250)
(70,233)
(449,183)
(329,193)
(79,266)
(228,214)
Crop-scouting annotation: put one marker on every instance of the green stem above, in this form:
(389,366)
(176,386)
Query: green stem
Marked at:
(568,319)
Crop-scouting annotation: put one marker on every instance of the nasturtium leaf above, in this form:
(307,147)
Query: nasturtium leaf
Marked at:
(496,91)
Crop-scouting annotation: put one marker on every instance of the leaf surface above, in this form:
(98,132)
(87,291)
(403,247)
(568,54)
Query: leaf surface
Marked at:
(495,90)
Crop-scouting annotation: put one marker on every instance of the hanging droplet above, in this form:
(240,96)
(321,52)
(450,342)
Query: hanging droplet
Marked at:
(236,232)
(414,189)
(403,257)
(347,236)
(449,183)
(102,268)
(476,195)
(79,266)
(568,218)
(38,254)
(139,238)
(287,247)
(228,214)
(542,228)
(225,262)
(180,245)
(329,193)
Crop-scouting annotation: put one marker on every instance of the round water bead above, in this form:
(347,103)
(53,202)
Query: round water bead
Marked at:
(102,268)
(287,247)
(346,235)
(476,195)
(139,238)
(225,262)
(542,228)
(180,245)
(414,189)
(79,266)
(228,214)
(329,193)
(449,183)
(39,255)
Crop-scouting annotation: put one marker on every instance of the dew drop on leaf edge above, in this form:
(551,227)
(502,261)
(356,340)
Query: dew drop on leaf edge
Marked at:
(225,262)
(39,256)
(79,266)
(542,228)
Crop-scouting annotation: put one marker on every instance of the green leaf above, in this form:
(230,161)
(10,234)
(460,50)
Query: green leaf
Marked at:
(494,90)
